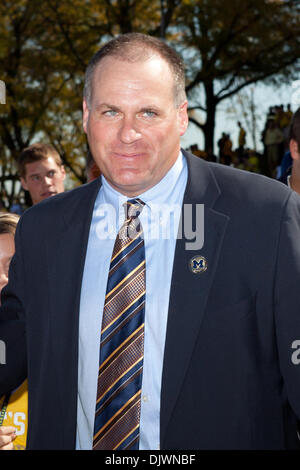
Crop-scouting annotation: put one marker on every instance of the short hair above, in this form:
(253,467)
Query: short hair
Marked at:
(36,152)
(137,47)
(8,223)
(294,132)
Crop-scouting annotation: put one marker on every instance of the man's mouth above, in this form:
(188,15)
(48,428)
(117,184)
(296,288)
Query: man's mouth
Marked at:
(128,155)
(48,194)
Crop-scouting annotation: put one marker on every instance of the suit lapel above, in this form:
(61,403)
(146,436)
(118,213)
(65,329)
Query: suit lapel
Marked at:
(65,259)
(190,291)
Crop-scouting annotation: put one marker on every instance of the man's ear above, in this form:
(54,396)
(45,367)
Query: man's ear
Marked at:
(85,116)
(23,183)
(63,171)
(183,118)
(294,149)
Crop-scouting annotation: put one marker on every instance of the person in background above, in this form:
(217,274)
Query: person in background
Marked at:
(13,407)
(273,140)
(241,142)
(227,150)
(42,175)
(291,175)
(41,171)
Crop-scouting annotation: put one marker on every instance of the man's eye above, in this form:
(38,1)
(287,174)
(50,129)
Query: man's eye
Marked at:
(51,173)
(110,113)
(149,113)
(35,178)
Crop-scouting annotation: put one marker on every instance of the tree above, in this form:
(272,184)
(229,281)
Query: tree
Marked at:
(231,44)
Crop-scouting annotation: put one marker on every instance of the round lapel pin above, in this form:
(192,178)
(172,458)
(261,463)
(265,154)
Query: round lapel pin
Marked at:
(198,264)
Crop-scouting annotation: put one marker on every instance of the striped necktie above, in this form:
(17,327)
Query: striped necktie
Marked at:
(118,402)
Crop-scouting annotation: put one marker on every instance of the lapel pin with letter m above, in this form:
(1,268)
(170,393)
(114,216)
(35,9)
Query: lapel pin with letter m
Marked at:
(198,264)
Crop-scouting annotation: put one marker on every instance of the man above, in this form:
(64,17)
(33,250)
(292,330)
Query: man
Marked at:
(222,324)
(41,171)
(291,175)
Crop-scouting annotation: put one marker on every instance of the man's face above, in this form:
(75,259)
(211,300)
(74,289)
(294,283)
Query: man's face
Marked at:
(43,179)
(133,126)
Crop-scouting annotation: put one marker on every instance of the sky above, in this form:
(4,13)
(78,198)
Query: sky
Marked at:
(229,112)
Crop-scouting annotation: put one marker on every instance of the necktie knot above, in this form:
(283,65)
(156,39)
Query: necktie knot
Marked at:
(133,208)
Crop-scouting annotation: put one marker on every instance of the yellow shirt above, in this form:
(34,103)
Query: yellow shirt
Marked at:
(17,415)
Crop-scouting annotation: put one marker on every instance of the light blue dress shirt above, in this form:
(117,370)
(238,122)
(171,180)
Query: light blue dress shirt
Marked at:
(160,219)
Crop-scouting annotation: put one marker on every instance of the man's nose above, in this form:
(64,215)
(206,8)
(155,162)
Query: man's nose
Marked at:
(129,132)
(47,181)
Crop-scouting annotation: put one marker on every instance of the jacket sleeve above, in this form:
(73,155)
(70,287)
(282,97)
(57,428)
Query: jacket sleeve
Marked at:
(13,361)
(287,301)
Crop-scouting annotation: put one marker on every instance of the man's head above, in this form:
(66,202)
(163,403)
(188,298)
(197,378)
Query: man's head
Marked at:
(135,111)
(41,171)
(294,145)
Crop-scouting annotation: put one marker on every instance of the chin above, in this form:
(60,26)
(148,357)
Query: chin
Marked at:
(130,180)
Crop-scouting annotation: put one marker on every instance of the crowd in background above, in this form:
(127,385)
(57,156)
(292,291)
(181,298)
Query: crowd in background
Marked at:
(275,142)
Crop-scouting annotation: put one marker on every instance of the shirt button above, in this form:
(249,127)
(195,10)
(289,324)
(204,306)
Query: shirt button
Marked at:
(145,398)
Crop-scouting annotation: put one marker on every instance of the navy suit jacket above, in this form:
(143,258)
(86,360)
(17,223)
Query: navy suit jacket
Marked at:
(231,378)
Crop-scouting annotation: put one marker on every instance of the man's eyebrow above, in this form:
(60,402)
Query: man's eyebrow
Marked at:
(106,105)
(148,107)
